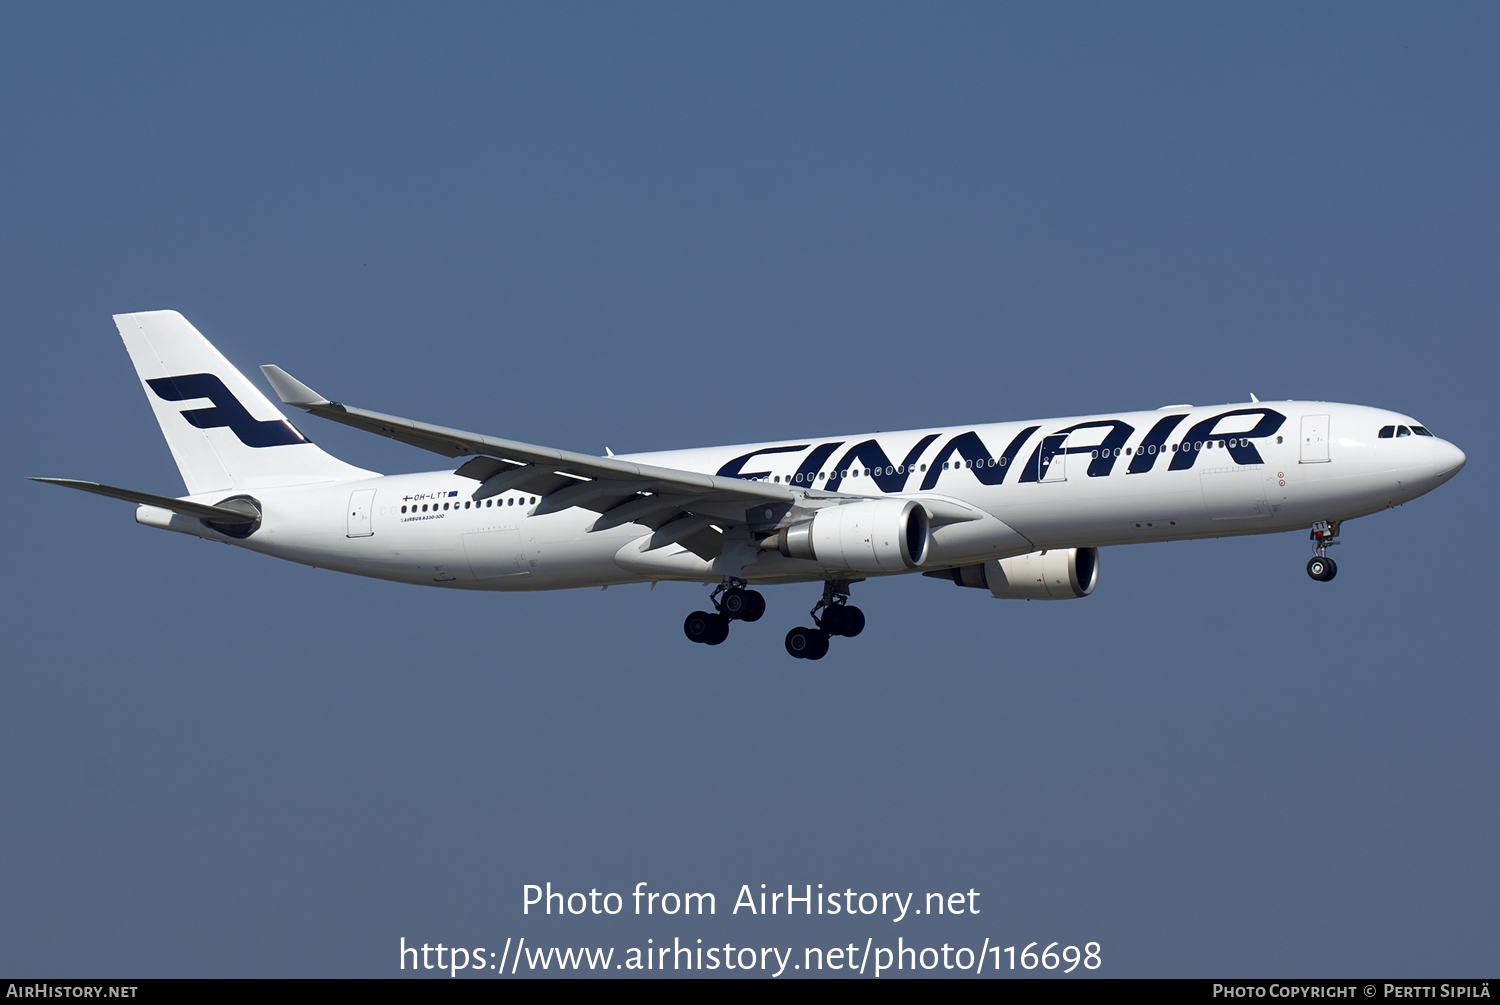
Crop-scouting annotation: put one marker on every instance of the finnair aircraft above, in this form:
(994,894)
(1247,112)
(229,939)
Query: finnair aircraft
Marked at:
(1020,509)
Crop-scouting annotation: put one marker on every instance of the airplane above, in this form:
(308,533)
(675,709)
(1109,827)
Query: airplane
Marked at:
(1018,509)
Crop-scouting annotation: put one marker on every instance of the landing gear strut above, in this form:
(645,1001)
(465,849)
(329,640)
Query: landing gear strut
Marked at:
(1320,566)
(838,617)
(732,602)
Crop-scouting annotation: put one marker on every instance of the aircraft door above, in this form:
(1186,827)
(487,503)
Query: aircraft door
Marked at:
(1053,458)
(361,504)
(1314,439)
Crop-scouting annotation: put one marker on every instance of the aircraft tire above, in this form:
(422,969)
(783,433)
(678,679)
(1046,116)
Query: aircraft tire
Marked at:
(755,608)
(1322,569)
(700,626)
(801,642)
(737,603)
(853,622)
(720,628)
(832,620)
(820,643)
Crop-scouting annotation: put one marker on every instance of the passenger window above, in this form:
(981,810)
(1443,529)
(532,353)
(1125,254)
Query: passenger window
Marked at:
(1386,432)
(1402,431)
(1420,430)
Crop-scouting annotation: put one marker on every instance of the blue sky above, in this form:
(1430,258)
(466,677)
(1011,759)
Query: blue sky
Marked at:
(677,225)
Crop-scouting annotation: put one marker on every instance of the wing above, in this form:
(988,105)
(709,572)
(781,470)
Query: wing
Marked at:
(682,507)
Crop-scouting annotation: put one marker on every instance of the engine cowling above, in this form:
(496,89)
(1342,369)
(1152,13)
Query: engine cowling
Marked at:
(1054,574)
(882,535)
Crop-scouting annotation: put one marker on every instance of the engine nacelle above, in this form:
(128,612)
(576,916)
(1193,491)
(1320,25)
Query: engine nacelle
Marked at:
(1055,574)
(882,535)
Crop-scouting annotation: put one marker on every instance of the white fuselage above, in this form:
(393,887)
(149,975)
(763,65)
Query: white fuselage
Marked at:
(1084,481)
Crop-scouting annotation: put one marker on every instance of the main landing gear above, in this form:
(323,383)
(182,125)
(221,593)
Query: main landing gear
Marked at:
(732,602)
(839,617)
(1320,566)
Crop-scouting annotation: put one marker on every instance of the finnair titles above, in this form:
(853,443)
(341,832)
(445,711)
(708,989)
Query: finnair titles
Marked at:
(1019,509)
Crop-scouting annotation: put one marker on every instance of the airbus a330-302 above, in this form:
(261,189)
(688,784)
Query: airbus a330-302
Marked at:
(1019,509)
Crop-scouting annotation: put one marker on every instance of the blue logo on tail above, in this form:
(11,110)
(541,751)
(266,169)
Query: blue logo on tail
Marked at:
(227,410)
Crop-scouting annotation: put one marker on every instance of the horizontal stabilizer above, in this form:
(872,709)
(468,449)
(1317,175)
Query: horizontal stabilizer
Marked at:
(218,514)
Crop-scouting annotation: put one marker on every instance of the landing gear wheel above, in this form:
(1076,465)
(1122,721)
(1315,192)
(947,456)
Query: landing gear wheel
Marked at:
(709,629)
(842,619)
(742,605)
(734,603)
(832,619)
(834,614)
(720,630)
(807,643)
(851,621)
(1322,569)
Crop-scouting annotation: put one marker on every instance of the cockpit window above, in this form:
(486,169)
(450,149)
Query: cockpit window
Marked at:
(1402,431)
(1386,432)
(1420,430)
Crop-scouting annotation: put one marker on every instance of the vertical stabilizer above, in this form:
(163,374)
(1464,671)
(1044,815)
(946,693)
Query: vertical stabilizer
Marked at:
(223,433)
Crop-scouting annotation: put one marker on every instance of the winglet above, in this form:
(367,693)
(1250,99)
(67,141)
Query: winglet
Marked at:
(290,390)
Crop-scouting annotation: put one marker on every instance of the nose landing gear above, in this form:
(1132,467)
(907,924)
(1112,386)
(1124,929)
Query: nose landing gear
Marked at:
(1320,566)
(732,602)
(838,617)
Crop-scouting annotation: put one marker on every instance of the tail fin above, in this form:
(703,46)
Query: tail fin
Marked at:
(223,433)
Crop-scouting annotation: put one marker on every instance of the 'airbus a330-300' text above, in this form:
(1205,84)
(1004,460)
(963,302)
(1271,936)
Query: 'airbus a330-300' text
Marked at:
(1020,509)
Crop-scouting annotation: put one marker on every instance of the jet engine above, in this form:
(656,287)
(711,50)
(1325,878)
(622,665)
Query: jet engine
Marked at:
(882,535)
(1054,574)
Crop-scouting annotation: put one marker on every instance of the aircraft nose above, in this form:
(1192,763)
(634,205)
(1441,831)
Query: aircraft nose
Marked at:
(1447,459)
